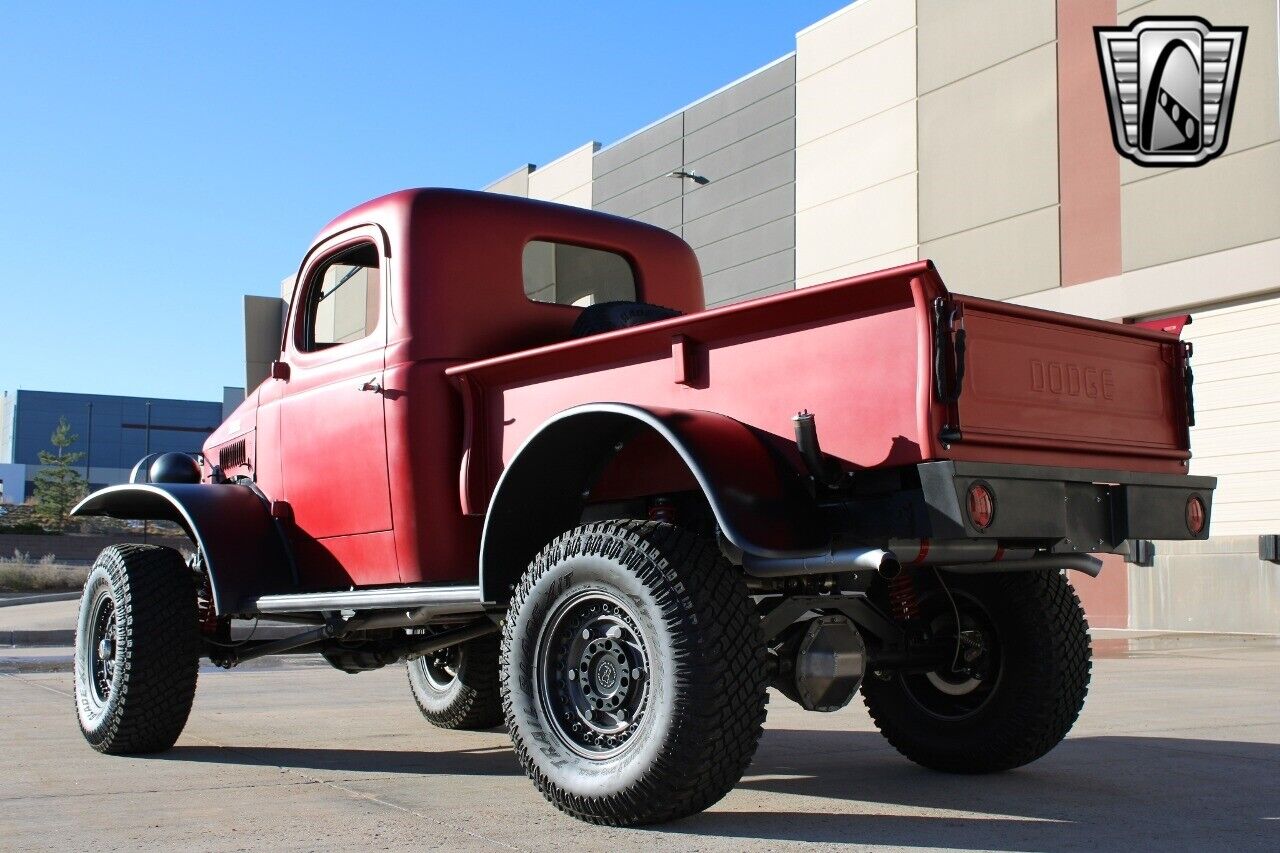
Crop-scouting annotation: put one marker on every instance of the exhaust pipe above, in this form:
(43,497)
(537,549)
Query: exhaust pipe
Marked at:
(833,562)
(822,467)
(1091,566)
(928,552)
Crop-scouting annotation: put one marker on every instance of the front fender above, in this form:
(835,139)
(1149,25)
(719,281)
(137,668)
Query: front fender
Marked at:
(242,549)
(759,501)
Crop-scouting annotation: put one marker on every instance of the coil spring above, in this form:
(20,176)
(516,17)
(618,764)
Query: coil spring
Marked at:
(903,601)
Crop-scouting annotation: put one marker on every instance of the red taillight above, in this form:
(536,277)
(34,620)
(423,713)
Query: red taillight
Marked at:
(1195,515)
(982,505)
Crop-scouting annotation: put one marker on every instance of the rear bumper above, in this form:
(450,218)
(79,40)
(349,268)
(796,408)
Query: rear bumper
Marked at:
(1077,510)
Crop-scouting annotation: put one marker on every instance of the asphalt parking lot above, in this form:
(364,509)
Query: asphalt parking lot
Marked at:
(1178,749)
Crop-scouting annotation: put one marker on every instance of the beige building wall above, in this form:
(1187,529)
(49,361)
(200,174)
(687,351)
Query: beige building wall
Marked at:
(1172,214)
(856,184)
(515,183)
(567,179)
(989,144)
(1237,395)
(929,130)
(959,157)
(263,325)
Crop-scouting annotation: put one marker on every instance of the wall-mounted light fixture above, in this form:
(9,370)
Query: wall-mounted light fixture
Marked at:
(689,174)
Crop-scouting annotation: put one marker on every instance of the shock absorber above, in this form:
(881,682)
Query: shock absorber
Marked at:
(904,604)
(661,509)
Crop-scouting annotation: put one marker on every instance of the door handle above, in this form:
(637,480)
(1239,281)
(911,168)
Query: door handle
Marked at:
(371,384)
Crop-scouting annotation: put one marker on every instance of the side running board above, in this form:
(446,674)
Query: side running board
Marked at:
(441,599)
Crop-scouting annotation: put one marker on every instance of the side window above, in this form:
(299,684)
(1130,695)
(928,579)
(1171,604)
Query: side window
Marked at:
(342,299)
(575,275)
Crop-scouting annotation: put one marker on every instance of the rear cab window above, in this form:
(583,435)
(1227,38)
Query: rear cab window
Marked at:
(565,274)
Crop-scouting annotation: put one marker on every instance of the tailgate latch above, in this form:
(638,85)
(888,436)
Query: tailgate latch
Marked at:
(948,350)
(1188,381)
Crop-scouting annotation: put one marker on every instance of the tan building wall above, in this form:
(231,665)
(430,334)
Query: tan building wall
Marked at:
(1172,214)
(515,183)
(929,130)
(263,323)
(856,141)
(567,179)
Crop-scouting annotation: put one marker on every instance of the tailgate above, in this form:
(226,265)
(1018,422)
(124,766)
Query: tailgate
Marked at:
(1069,387)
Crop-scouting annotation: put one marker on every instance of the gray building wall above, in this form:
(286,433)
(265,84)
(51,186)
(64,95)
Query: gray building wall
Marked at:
(741,222)
(231,397)
(13,483)
(112,431)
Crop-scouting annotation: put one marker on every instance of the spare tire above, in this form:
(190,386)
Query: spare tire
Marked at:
(611,316)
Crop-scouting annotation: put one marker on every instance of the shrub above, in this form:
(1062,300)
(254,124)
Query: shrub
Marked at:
(20,574)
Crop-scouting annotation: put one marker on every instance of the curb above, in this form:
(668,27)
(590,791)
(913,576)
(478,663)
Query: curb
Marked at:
(38,598)
(64,637)
(67,636)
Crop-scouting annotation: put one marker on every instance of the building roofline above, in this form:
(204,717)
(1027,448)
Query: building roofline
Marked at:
(142,399)
(526,168)
(595,146)
(837,13)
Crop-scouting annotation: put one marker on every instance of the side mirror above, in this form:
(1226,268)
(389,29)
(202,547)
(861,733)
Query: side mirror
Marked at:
(280,370)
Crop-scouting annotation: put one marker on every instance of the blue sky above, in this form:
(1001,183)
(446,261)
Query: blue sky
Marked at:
(160,160)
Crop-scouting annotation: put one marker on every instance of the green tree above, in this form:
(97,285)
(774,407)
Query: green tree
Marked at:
(58,486)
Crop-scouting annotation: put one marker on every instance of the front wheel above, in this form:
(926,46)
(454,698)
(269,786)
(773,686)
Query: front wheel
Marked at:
(137,650)
(1015,686)
(634,673)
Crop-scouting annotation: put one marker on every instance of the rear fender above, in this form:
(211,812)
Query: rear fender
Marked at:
(759,501)
(231,526)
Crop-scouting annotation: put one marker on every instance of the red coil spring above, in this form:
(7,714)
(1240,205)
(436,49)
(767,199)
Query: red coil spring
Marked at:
(903,602)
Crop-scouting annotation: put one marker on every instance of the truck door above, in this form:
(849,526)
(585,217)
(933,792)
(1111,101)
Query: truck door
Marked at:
(332,430)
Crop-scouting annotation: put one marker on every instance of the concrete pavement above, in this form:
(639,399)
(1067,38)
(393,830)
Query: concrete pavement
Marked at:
(1178,749)
(40,622)
(18,599)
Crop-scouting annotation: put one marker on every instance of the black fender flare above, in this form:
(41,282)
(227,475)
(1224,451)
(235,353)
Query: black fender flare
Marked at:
(759,500)
(232,527)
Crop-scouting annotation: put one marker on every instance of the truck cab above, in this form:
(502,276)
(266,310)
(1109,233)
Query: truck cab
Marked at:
(357,434)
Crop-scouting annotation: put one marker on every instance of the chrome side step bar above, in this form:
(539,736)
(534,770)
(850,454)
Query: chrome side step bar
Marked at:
(434,599)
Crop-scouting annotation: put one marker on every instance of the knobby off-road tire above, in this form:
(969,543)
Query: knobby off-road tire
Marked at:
(137,650)
(1030,695)
(458,687)
(662,712)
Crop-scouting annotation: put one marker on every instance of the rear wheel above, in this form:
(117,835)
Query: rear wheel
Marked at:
(1015,686)
(634,673)
(457,687)
(137,650)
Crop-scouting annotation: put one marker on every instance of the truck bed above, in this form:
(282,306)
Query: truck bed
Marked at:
(876,358)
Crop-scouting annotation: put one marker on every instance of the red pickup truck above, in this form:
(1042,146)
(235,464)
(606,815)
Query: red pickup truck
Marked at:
(505,442)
